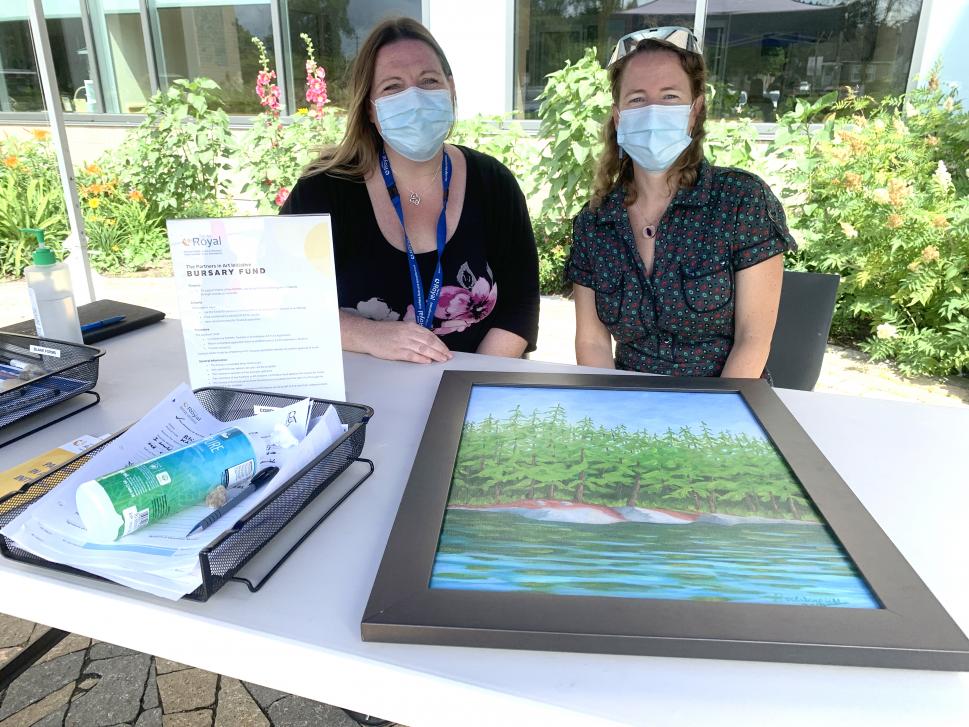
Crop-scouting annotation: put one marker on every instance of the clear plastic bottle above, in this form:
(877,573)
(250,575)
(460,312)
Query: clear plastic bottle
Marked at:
(51,296)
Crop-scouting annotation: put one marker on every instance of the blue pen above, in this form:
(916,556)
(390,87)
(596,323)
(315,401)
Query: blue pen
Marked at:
(261,478)
(95,325)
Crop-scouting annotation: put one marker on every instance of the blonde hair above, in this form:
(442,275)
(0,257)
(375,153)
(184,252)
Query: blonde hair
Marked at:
(356,154)
(613,169)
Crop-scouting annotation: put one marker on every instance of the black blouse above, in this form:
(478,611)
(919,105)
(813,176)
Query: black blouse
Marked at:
(490,264)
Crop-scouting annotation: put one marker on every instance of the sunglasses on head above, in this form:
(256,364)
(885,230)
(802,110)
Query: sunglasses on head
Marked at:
(680,37)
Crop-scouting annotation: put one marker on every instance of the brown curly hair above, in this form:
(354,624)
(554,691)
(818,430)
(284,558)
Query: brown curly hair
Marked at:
(613,169)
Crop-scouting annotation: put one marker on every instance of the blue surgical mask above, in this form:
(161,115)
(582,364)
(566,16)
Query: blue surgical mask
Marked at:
(654,136)
(415,122)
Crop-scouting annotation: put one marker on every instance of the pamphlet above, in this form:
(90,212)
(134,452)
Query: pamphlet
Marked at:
(258,303)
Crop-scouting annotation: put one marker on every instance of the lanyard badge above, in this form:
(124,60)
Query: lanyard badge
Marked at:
(423,306)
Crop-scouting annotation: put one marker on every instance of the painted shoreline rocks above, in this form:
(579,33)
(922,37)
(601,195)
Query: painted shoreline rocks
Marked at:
(563,511)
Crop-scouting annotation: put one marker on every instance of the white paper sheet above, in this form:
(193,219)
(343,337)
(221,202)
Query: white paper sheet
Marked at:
(258,303)
(160,558)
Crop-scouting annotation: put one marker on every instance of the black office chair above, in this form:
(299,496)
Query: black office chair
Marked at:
(801,333)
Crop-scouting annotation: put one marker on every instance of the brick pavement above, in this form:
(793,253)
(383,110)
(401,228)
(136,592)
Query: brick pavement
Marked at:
(81,683)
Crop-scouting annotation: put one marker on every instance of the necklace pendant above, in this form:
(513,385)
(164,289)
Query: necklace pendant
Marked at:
(649,231)
(414,199)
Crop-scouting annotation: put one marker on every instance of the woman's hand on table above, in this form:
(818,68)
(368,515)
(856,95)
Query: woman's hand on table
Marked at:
(392,340)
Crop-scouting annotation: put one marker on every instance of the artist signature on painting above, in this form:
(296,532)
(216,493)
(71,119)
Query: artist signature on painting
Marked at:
(807,600)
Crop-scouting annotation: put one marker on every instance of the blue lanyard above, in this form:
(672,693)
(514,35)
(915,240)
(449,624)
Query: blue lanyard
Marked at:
(423,308)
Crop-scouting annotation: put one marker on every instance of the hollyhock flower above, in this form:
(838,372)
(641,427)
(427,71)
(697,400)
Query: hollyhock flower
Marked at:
(316,94)
(281,196)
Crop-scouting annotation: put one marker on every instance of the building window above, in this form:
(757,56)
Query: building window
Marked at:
(336,27)
(762,55)
(213,39)
(122,58)
(20,88)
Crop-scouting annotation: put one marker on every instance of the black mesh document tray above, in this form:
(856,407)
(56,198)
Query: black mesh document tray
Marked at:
(224,558)
(55,372)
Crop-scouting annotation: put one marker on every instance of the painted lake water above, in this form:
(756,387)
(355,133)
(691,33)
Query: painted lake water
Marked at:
(773,564)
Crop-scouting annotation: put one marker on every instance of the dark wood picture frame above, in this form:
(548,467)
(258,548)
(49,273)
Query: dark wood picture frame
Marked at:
(912,630)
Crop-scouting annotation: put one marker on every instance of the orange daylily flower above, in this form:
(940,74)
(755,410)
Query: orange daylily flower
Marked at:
(11,161)
(92,169)
(136,195)
(40,134)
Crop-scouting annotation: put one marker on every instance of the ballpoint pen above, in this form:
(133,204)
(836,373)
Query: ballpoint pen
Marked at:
(261,478)
(95,325)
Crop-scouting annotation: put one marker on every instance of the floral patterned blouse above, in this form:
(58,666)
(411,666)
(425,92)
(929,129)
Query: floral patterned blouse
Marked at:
(680,319)
(490,264)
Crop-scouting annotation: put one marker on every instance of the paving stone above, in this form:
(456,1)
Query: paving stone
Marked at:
(264,695)
(14,631)
(87,683)
(39,681)
(116,697)
(185,690)
(164,666)
(151,718)
(68,645)
(40,710)
(54,719)
(236,706)
(104,650)
(293,711)
(149,699)
(9,653)
(201,718)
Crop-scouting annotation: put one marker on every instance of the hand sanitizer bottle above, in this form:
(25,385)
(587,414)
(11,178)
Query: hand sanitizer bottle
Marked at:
(51,297)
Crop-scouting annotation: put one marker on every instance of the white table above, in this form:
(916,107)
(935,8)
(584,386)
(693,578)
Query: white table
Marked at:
(907,463)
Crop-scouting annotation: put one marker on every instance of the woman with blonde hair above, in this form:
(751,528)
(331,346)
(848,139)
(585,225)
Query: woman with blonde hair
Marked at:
(679,261)
(433,245)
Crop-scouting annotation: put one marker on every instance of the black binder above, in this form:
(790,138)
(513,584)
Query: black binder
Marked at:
(135,316)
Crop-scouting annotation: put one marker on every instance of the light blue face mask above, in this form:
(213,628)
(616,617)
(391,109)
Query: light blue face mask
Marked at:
(415,122)
(654,136)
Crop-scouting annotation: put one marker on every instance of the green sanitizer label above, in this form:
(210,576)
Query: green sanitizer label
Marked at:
(148,492)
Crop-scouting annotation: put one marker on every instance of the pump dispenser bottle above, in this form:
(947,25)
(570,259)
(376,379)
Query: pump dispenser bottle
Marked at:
(51,297)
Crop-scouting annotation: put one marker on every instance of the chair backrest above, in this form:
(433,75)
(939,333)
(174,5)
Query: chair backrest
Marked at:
(801,333)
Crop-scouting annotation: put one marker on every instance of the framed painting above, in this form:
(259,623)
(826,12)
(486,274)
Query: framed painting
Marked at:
(643,515)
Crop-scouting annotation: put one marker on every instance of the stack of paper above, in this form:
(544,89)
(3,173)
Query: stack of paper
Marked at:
(160,558)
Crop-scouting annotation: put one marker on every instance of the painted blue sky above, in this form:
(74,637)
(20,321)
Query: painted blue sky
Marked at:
(653,411)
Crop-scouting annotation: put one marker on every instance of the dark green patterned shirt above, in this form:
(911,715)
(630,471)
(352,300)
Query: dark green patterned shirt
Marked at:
(680,319)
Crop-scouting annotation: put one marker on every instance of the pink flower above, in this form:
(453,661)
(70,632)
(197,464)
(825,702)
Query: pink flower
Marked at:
(316,88)
(469,305)
(281,196)
(268,91)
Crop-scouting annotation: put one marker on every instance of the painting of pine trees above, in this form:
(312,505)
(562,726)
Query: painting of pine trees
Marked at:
(637,493)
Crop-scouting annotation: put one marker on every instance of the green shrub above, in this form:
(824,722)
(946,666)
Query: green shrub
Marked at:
(30,196)
(178,156)
(884,204)
(574,106)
